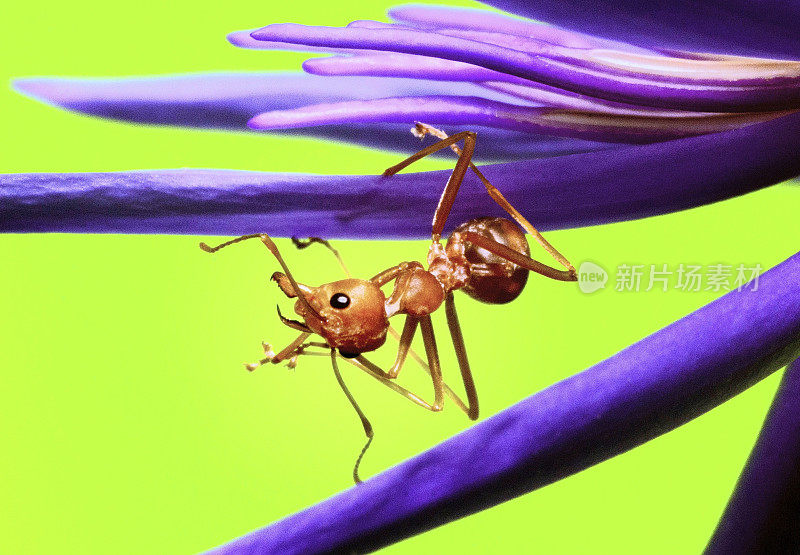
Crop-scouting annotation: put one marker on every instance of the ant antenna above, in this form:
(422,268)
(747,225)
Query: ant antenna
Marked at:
(206,248)
(274,250)
(356,478)
(364,422)
(304,243)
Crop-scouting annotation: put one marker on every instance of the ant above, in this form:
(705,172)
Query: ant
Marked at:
(487,258)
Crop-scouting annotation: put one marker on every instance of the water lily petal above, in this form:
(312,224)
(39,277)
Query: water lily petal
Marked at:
(549,66)
(461,111)
(762,514)
(621,183)
(229,100)
(765,28)
(648,389)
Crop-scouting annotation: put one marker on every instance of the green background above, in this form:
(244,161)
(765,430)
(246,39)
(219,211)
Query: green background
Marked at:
(128,422)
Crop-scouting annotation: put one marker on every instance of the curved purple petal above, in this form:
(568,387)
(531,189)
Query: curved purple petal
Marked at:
(633,128)
(242,39)
(766,28)
(648,389)
(472,23)
(714,71)
(424,67)
(392,64)
(569,191)
(763,514)
(225,100)
(445,17)
(544,95)
(229,100)
(548,66)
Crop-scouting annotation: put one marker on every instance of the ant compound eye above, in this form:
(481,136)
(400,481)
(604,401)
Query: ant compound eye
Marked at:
(340,300)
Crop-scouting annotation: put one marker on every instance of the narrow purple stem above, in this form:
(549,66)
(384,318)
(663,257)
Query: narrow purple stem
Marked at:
(646,390)
(568,191)
(763,514)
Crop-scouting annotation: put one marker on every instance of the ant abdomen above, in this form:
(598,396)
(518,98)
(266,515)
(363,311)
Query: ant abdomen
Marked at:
(494,279)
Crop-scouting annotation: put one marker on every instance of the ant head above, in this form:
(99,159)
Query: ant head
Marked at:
(350,314)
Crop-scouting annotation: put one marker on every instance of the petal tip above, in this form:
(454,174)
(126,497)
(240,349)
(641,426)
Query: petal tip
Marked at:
(47,90)
(253,123)
(241,39)
(29,86)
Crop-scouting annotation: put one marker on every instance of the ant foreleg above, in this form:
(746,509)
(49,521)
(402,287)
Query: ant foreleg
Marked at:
(375,371)
(409,329)
(372,369)
(285,353)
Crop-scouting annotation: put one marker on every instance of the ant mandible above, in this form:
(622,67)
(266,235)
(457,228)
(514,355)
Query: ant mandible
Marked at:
(487,258)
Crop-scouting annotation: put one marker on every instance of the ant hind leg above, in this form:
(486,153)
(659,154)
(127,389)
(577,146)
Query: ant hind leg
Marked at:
(421,129)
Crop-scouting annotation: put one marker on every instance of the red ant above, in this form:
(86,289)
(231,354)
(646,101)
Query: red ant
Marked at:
(488,258)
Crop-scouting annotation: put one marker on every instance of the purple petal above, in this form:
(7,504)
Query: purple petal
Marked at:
(466,111)
(583,189)
(766,28)
(650,388)
(715,71)
(550,68)
(425,67)
(228,101)
(242,39)
(403,65)
(444,17)
(762,514)
(544,95)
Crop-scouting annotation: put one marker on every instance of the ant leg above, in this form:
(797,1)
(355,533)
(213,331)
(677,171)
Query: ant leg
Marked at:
(285,353)
(424,365)
(453,184)
(376,372)
(274,250)
(409,329)
(517,257)
(422,129)
(429,339)
(304,243)
(364,422)
(461,354)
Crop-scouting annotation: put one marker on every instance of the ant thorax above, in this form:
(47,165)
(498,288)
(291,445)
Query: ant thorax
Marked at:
(449,265)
